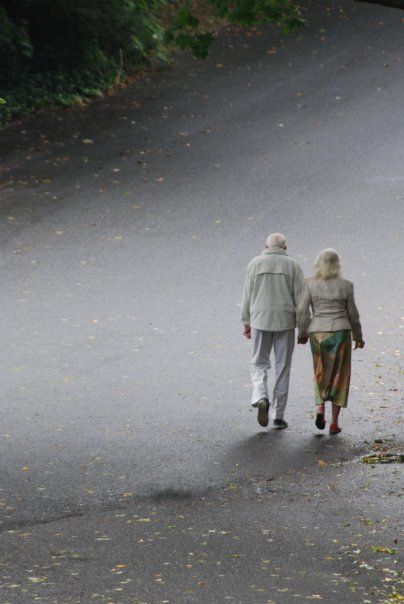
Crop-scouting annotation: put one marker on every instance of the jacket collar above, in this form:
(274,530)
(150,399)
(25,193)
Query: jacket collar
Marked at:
(274,249)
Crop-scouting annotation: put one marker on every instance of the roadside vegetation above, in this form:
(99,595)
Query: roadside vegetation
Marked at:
(55,52)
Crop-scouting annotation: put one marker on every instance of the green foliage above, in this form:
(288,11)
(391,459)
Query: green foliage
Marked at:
(14,39)
(199,44)
(58,52)
(252,12)
(185,32)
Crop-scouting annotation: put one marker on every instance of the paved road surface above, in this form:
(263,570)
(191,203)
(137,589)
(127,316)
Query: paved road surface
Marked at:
(126,436)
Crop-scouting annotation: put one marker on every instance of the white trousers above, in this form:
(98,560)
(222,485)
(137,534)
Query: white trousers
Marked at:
(283,343)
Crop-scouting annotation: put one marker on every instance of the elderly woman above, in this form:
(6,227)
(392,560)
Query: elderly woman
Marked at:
(331,325)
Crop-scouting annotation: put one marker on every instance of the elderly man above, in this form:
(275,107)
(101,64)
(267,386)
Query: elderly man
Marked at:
(271,292)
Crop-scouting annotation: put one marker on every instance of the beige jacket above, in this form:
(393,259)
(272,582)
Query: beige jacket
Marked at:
(271,291)
(332,305)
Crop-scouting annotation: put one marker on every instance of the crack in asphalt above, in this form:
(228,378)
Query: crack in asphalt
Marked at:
(246,487)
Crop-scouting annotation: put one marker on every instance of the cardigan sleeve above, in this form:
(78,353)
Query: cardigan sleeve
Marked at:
(353,315)
(298,283)
(303,312)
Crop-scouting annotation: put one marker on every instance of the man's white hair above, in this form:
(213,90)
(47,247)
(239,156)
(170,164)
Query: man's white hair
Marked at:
(327,264)
(276,239)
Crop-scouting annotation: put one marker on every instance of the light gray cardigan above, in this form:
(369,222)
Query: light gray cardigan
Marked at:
(333,307)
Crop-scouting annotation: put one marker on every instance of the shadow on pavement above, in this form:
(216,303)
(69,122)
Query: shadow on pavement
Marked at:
(274,453)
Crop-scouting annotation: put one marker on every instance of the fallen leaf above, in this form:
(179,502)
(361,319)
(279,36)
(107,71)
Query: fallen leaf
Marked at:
(383,550)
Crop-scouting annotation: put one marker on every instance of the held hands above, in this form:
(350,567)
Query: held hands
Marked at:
(300,340)
(247,332)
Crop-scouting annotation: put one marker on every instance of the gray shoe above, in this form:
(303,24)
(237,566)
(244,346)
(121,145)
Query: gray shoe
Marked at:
(263,407)
(280,424)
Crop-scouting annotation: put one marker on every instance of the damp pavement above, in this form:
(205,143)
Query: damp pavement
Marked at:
(132,467)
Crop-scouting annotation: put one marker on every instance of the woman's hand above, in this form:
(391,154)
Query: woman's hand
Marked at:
(302,340)
(247,332)
(359,344)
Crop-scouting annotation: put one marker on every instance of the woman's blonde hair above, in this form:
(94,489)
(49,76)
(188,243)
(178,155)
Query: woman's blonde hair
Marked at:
(327,265)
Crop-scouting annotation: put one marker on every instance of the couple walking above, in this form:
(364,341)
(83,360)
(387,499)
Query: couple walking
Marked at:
(275,297)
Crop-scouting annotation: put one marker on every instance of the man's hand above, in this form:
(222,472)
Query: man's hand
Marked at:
(247,332)
(302,340)
(359,344)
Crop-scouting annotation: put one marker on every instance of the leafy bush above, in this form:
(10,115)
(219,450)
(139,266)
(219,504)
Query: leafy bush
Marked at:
(56,52)
(53,51)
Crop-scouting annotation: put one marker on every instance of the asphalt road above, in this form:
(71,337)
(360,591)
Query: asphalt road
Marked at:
(132,468)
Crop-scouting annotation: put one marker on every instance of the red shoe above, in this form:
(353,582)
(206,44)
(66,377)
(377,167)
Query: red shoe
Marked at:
(334,429)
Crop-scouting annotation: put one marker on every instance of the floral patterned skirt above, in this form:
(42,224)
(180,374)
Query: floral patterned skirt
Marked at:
(332,366)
